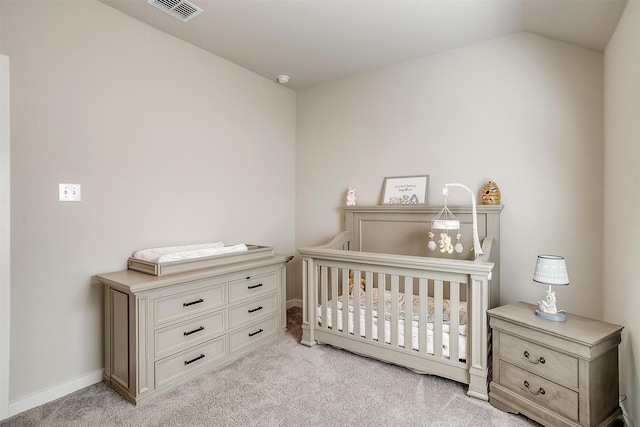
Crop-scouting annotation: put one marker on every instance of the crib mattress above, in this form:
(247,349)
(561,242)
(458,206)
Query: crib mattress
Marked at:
(461,333)
(178,259)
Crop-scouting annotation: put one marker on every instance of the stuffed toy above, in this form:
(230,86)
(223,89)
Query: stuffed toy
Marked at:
(362,283)
(445,243)
(351,196)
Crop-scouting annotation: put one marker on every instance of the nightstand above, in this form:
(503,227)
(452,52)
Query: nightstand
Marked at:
(556,373)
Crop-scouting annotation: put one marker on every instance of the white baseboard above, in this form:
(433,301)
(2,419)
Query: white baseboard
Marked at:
(294,303)
(53,393)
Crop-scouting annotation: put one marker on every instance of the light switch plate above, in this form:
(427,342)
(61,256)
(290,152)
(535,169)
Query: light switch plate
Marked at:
(69,193)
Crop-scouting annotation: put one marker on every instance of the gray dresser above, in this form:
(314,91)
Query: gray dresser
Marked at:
(161,331)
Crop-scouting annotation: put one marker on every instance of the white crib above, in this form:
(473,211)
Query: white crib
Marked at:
(433,313)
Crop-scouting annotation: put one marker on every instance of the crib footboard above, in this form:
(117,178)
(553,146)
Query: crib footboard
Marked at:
(427,314)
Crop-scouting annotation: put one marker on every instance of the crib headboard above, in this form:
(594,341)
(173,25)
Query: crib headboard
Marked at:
(403,230)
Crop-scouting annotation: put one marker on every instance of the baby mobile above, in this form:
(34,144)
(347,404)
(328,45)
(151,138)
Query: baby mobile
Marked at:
(446,221)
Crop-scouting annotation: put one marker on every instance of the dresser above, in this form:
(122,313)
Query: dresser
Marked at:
(556,373)
(161,331)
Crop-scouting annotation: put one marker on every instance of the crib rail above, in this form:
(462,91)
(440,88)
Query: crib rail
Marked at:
(360,327)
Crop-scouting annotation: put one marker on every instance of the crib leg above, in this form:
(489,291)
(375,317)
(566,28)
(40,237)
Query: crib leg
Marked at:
(307,336)
(478,384)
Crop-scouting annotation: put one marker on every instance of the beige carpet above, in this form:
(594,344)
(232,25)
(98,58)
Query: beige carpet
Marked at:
(284,384)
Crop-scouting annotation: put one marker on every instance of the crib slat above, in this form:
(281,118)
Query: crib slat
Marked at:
(437,317)
(323,296)
(368,305)
(395,282)
(382,285)
(334,298)
(408,313)
(422,322)
(345,301)
(454,320)
(356,303)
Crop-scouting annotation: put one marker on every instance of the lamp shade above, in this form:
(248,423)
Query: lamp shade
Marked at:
(551,270)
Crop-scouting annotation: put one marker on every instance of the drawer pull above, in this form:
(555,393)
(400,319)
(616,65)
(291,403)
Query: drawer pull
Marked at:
(254,286)
(535,362)
(201,328)
(187,304)
(256,332)
(253,310)
(539,391)
(186,362)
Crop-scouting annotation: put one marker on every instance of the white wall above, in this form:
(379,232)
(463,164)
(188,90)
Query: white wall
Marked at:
(172,145)
(622,198)
(5,239)
(523,111)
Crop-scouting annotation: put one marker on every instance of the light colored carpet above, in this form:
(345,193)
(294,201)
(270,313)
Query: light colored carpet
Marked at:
(284,384)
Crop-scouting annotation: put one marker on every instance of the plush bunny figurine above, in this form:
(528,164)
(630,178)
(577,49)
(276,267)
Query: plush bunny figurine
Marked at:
(351,196)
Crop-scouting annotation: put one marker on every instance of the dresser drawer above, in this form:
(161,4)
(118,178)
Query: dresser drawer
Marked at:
(189,333)
(175,367)
(251,285)
(176,307)
(540,360)
(548,394)
(246,336)
(250,311)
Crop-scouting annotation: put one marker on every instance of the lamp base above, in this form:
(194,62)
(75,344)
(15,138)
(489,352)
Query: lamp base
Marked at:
(557,317)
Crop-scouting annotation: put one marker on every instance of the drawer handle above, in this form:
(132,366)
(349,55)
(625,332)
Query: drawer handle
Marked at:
(535,362)
(201,328)
(187,304)
(255,333)
(539,391)
(186,362)
(254,286)
(253,310)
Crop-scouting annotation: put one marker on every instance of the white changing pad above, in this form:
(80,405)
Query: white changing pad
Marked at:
(176,253)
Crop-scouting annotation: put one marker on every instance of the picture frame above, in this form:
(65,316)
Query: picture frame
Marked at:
(405,190)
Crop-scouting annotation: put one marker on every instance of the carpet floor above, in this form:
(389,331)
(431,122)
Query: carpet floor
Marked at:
(284,384)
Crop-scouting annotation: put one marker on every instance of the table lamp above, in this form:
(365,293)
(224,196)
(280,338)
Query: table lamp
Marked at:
(550,270)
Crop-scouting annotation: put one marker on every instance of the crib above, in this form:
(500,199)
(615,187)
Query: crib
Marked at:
(376,290)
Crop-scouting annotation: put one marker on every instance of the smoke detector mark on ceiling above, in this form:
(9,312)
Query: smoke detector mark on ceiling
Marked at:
(181,9)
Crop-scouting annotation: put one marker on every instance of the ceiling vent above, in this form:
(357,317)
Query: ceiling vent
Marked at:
(181,9)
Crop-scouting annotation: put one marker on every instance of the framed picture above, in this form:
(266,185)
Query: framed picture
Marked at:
(405,190)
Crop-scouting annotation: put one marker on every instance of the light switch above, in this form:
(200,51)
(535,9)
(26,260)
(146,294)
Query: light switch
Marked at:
(69,192)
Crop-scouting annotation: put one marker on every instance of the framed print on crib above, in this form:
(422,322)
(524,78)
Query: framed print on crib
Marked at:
(405,190)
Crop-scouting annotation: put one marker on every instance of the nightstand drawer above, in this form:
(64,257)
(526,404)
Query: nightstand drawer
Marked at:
(540,360)
(548,394)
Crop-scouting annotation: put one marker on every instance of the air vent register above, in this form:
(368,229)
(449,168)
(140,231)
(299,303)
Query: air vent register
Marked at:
(181,9)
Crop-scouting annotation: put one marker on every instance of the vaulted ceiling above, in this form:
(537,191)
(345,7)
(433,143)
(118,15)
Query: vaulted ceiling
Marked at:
(317,41)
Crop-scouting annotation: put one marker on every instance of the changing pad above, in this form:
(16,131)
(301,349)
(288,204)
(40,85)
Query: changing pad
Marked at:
(176,253)
(178,259)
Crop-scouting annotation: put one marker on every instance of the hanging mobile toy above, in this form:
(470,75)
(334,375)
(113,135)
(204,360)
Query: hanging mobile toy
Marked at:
(458,247)
(431,245)
(445,220)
